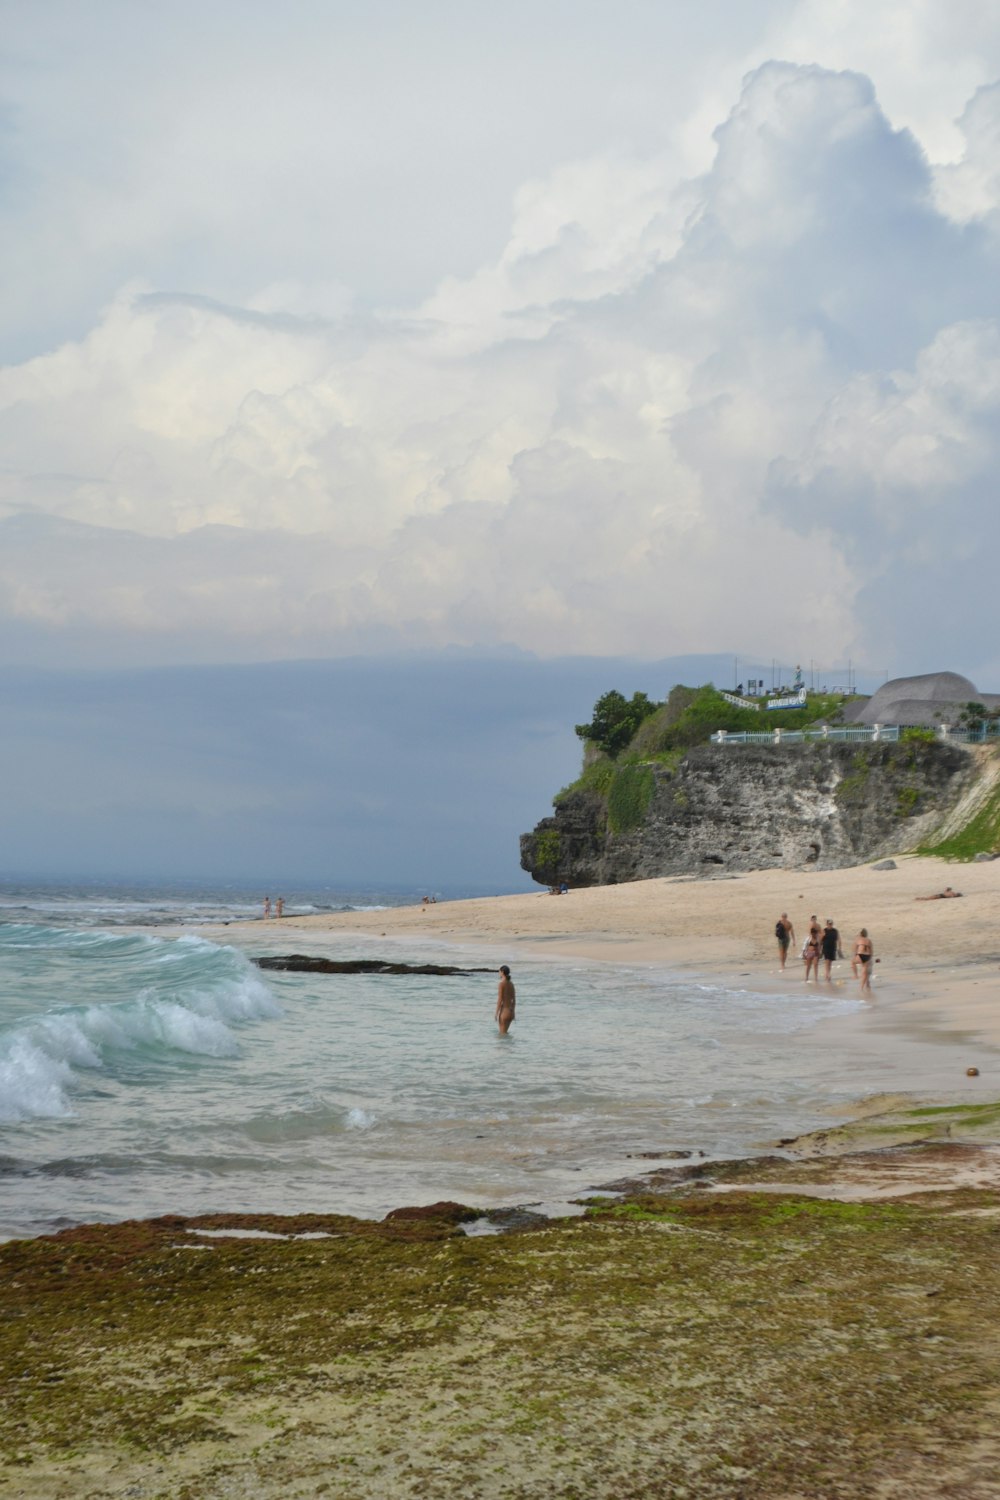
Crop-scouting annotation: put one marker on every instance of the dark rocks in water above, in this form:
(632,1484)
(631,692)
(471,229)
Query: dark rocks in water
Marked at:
(660,1155)
(505,1220)
(446,1211)
(302,963)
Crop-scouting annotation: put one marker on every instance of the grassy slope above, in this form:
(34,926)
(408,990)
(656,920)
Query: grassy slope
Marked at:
(980,832)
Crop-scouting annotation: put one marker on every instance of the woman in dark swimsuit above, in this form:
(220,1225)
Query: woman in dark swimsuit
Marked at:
(864,953)
(811,951)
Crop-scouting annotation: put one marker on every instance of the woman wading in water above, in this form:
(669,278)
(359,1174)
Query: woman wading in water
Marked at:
(506,1000)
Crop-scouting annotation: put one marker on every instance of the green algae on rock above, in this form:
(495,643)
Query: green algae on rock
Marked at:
(720,1345)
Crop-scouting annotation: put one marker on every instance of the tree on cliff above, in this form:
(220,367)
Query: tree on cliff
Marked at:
(616,719)
(975,716)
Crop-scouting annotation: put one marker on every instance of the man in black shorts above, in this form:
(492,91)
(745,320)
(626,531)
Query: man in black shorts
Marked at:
(785,933)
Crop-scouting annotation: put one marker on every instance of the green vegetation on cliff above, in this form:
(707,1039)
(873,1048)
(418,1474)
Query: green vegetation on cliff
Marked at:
(689,717)
(980,835)
(662,733)
(629,797)
(616,720)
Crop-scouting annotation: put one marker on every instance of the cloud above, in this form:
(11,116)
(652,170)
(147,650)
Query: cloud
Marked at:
(620,434)
(927,59)
(904,465)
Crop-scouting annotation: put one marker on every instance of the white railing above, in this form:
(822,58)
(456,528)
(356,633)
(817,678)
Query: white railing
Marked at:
(779,736)
(848,732)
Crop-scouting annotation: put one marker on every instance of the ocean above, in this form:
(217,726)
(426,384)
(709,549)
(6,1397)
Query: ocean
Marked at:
(146,1070)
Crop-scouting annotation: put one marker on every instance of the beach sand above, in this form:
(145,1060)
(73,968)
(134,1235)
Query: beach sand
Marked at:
(943,957)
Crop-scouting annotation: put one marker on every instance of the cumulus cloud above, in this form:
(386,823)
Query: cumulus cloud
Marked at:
(904,464)
(659,418)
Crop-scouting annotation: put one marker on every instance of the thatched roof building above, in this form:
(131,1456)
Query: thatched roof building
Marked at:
(928,700)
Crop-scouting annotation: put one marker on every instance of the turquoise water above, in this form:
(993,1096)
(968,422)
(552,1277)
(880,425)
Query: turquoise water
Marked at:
(142,1073)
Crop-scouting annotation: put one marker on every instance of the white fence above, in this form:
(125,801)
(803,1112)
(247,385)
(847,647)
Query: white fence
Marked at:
(848,732)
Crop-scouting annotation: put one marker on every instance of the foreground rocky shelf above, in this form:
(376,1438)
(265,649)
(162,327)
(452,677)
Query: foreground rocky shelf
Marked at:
(302,963)
(749,1344)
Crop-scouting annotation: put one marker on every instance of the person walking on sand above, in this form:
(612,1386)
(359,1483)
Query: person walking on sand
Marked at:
(830,944)
(785,933)
(279,907)
(864,957)
(506,1001)
(267,907)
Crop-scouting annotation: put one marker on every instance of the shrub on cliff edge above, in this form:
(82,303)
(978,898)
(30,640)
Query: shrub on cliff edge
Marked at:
(616,719)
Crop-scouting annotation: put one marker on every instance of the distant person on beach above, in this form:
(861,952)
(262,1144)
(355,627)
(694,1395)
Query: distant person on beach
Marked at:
(945,895)
(279,907)
(506,1000)
(864,957)
(830,944)
(785,933)
(267,907)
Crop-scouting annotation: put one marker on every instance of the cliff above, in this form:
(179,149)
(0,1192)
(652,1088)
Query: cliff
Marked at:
(749,807)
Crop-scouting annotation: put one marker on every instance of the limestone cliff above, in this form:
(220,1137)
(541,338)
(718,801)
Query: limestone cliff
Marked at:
(749,807)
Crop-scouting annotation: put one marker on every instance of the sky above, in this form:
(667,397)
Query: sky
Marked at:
(545,332)
(358,773)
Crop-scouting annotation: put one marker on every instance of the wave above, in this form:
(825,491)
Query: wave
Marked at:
(143,998)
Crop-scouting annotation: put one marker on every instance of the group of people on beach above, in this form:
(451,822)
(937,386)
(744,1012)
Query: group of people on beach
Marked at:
(279,907)
(824,943)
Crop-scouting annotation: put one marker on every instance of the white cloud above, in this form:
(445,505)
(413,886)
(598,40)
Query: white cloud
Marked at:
(653,422)
(926,58)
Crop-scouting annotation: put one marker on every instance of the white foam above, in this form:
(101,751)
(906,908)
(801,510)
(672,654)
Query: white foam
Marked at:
(209,990)
(32,1084)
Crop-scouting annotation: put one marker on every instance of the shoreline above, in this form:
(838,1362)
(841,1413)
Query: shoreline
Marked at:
(932,990)
(937,963)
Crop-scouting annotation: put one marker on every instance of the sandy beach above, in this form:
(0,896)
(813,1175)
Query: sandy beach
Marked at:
(942,957)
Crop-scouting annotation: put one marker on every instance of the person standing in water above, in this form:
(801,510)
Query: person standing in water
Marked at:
(506,1001)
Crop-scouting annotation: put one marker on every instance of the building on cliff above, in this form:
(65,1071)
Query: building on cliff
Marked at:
(919,702)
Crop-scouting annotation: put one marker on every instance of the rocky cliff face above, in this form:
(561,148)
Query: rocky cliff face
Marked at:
(753,807)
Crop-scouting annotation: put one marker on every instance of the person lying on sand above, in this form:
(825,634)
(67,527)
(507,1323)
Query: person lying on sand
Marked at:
(944,895)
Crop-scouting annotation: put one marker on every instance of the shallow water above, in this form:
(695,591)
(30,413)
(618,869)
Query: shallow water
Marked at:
(144,1074)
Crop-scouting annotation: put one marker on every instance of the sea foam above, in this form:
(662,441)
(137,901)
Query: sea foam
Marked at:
(153,1000)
